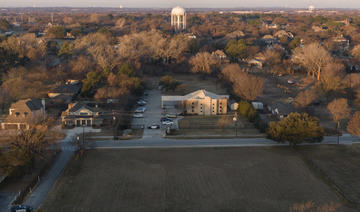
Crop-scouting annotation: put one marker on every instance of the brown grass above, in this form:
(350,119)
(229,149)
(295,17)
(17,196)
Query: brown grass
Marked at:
(232,179)
(339,166)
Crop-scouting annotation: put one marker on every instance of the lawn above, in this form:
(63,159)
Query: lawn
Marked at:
(230,179)
(191,83)
(221,125)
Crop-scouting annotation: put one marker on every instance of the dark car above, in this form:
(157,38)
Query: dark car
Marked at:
(165,119)
(21,208)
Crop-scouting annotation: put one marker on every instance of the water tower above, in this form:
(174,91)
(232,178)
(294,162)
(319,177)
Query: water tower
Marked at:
(178,18)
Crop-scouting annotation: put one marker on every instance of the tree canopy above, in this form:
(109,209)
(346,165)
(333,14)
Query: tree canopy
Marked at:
(296,128)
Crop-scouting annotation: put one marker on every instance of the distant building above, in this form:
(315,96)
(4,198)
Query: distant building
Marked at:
(178,18)
(80,114)
(22,113)
(200,102)
(220,55)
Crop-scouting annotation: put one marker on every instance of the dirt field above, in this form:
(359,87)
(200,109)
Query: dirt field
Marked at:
(232,179)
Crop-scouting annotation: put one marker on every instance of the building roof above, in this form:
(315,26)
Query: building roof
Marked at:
(22,106)
(199,94)
(67,89)
(77,106)
(31,104)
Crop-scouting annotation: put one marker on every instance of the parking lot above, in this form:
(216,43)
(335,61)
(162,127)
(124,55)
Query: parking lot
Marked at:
(152,114)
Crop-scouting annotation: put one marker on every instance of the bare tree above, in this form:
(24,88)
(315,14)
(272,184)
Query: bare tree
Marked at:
(305,98)
(355,52)
(339,110)
(105,56)
(353,126)
(230,71)
(332,77)
(245,85)
(248,86)
(202,62)
(313,57)
(310,206)
(272,57)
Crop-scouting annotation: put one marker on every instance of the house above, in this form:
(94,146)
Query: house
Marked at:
(23,113)
(200,102)
(269,40)
(256,63)
(282,33)
(220,55)
(80,114)
(70,89)
(342,42)
(235,34)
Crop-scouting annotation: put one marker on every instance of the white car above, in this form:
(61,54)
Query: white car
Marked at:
(141,102)
(140,109)
(167,122)
(138,115)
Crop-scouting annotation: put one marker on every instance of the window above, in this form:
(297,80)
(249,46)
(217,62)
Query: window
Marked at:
(17,113)
(25,113)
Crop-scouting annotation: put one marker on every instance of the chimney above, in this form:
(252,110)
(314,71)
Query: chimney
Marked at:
(71,105)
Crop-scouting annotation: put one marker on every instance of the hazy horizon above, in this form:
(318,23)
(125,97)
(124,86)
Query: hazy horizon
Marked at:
(185,3)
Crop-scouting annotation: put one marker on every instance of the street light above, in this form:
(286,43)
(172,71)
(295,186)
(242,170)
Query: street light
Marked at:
(114,126)
(235,121)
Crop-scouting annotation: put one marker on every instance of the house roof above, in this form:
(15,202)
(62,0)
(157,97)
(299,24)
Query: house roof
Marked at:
(31,104)
(67,89)
(199,94)
(77,106)
(22,106)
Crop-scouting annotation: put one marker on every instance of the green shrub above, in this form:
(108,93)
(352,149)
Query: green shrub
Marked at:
(296,128)
(247,110)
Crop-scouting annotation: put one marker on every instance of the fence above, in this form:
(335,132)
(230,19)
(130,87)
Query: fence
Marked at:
(20,197)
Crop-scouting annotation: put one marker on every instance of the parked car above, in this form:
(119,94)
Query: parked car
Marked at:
(165,119)
(21,208)
(171,115)
(141,102)
(140,109)
(138,115)
(167,122)
(291,82)
(154,126)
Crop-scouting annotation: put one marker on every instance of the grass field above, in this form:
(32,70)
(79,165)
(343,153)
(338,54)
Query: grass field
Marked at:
(339,166)
(216,126)
(227,180)
(191,83)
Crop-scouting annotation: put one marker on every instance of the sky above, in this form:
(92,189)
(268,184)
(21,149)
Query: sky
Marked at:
(183,3)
